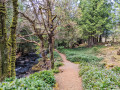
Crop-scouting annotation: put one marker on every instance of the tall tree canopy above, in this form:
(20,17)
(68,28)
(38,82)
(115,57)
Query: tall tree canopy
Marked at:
(96,19)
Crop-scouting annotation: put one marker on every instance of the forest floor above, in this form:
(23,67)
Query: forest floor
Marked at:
(68,78)
(111,59)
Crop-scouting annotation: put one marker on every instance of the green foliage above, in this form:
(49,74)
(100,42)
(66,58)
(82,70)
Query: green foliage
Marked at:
(96,18)
(84,69)
(97,78)
(24,84)
(46,76)
(68,30)
(26,47)
(56,70)
(81,54)
(82,57)
(57,56)
(9,79)
(95,50)
(116,69)
(58,62)
(94,76)
(38,81)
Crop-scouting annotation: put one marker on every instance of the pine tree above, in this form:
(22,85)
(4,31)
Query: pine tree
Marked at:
(96,18)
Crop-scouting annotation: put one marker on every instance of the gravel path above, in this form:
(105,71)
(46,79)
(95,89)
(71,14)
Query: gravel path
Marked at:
(69,78)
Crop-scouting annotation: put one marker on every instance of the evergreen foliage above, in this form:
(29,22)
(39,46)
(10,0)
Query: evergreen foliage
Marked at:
(96,19)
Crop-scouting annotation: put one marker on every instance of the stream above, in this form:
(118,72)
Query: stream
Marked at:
(25,63)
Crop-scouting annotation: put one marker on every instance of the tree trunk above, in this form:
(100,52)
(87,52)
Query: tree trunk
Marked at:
(43,52)
(105,39)
(100,39)
(90,41)
(42,49)
(3,42)
(51,49)
(12,39)
(95,40)
(113,39)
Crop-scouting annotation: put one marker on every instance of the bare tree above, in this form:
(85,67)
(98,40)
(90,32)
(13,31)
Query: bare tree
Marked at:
(43,24)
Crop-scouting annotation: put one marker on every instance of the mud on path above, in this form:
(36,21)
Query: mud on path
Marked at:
(68,78)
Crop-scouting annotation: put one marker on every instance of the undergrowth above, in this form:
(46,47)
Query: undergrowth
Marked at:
(58,62)
(43,80)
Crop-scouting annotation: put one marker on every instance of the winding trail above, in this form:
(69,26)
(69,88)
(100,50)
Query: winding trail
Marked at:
(68,78)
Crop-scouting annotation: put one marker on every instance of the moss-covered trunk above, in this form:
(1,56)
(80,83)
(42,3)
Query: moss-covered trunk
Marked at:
(42,49)
(3,42)
(51,49)
(51,33)
(12,39)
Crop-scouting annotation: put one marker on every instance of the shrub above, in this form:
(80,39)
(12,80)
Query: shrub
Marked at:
(56,70)
(86,58)
(43,80)
(58,64)
(95,77)
(25,84)
(46,76)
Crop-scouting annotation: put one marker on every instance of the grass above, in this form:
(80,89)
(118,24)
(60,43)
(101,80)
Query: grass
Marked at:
(94,75)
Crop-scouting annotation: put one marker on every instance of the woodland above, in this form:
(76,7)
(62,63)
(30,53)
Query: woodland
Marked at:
(59,44)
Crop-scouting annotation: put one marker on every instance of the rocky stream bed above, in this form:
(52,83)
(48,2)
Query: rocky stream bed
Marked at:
(25,63)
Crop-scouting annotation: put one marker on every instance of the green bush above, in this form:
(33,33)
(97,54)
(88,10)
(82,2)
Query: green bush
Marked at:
(46,76)
(80,54)
(57,56)
(43,80)
(56,70)
(9,79)
(58,64)
(95,77)
(25,84)
(86,58)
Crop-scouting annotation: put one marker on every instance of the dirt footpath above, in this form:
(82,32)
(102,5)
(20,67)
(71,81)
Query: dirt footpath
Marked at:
(68,78)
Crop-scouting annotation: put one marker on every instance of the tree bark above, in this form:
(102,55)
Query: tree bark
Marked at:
(3,42)
(42,49)
(51,49)
(100,39)
(12,39)
(90,41)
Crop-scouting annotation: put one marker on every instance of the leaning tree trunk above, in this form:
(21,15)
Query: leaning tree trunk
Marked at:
(3,42)
(12,39)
